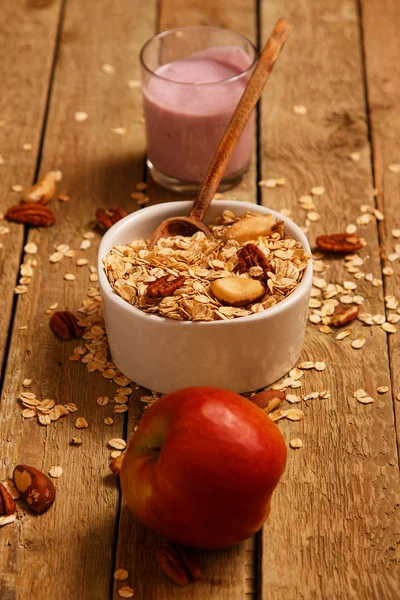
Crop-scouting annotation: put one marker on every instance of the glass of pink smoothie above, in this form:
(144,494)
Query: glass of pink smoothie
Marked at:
(192,80)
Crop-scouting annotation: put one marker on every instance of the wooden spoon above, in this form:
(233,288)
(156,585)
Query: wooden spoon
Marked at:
(187,226)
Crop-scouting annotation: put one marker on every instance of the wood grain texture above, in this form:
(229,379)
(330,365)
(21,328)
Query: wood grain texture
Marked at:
(68,552)
(25,79)
(382,51)
(228,575)
(332,532)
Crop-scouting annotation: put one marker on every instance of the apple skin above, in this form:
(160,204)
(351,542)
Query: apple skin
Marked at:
(202,466)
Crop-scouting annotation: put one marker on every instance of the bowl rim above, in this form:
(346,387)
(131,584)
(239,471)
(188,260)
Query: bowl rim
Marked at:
(105,288)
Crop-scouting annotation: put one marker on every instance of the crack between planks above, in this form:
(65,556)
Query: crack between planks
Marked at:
(378,198)
(36,172)
(258,107)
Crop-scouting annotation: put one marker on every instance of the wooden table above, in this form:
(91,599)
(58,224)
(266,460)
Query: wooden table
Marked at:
(333,531)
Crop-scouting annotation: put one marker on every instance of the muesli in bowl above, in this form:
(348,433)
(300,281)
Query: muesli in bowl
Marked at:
(195,312)
(251,265)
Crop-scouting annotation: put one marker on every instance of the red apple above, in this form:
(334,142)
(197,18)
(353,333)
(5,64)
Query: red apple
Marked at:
(202,466)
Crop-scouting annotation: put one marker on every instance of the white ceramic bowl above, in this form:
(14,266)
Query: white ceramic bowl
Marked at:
(242,355)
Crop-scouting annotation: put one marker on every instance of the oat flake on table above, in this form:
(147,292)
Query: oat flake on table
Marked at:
(132,267)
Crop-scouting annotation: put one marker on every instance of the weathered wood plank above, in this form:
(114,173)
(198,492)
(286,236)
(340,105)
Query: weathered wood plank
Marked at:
(382,51)
(332,529)
(25,78)
(229,574)
(69,550)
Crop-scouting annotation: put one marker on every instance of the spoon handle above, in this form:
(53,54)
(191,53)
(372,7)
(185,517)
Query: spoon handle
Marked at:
(239,119)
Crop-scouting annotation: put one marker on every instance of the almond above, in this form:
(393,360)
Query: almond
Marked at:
(116,464)
(250,229)
(236,291)
(43,191)
(35,488)
(268,399)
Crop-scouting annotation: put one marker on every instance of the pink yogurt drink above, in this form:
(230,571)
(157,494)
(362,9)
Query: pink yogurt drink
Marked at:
(188,104)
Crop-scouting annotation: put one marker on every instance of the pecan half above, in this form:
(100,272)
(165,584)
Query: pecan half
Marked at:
(65,325)
(164,286)
(344,316)
(268,399)
(116,464)
(107,217)
(339,242)
(7,504)
(36,215)
(180,564)
(252,256)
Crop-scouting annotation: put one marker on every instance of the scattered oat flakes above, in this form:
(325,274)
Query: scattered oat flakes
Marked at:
(115,453)
(20,289)
(307,365)
(351,228)
(292,398)
(108,421)
(379,319)
(63,198)
(120,408)
(107,69)
(81,116)
(314,318)
(299,109)
(76,441)
(44,419)
(294,414)
(394,168)
(126,592)
(313,216)
(121,574)
(81,423)
(325,394)
(117,443)
(85,244)
(102,400)
(358,342)
(360,393)
(325,329)
(133,83)
(30,248)
(27,147)
(56,257)
(320,366)
(382,389)
(55,472)
(28,413)
(81,262)
(343,334)
(118,130)
(393,318)
(366,400)
(318,190)
(295,443)
(17,188)
(310,396)
(355,156)
(388,271)
(4,230)
(26,383)
(69,277)
(396,233)
(389,328)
